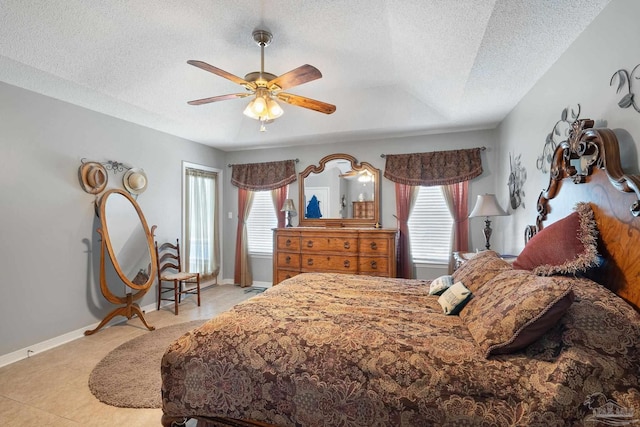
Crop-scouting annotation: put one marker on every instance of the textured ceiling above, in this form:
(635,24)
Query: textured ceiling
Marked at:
(392,67)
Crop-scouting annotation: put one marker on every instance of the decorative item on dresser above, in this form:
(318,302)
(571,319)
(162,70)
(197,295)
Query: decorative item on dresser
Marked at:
(340,250)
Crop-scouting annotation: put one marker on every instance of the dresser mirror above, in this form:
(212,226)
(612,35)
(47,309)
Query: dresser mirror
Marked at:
(127,241)
(339,192)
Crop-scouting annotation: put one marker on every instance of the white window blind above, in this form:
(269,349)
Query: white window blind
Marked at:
(262,219)
(430,226)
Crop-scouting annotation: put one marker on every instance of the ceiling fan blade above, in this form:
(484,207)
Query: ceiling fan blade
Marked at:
(218,98)
(217,71)
(297,76)
(312,104)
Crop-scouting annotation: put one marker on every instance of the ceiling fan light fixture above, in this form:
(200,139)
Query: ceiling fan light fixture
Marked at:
(274,109)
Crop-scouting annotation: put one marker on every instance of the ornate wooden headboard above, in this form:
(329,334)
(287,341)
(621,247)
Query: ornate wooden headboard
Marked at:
(588,165)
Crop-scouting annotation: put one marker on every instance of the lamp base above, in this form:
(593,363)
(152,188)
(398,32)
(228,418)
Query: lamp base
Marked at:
(487,232)
(288,218)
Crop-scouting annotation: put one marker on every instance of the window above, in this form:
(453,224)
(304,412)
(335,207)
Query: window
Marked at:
(201,212)
(430,226)
(262,219)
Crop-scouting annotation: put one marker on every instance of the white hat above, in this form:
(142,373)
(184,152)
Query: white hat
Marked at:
(93,177)
(135,181)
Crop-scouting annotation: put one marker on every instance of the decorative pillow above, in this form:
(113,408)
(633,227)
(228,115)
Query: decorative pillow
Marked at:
(515,309)
(480,269)
(567,246)
(454,298)
(440,285)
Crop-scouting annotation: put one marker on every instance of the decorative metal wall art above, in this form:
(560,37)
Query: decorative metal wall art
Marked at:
(517,178)
(558,134)
(626,80)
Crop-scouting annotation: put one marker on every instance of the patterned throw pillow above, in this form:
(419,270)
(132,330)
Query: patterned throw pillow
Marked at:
(514,309)
(567,246)
(454,298)
(480,269)
(440,285)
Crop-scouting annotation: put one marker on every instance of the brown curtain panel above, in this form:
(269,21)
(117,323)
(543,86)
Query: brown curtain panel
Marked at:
(264,176)
(456,196)
(405,200)
(434,168)
(279,195)
(242,272)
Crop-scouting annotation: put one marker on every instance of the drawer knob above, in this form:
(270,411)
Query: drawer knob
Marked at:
(374,265)
(374,246)
(347,245)
(287,259)
(347,263)
(287,243)
(310,261)
(310,243)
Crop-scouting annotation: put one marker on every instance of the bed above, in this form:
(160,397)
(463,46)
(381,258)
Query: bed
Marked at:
(553,342)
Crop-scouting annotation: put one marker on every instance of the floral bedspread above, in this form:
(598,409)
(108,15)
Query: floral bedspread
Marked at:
(342,350)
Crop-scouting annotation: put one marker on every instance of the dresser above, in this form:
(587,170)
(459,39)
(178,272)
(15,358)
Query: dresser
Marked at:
(364,210)
(339,250)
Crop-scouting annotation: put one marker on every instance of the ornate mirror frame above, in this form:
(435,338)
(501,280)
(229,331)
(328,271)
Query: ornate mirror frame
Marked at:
(339,222)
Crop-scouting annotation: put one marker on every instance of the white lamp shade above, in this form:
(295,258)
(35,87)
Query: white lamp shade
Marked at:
(288,206)
(487,205)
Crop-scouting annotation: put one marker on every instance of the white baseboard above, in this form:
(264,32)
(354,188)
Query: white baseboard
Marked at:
(23,353)
(15,356)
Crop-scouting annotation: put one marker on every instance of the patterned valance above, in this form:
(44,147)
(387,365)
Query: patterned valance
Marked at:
(434,168)
(264,176)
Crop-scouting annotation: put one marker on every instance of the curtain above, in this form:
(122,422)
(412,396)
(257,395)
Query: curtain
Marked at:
(251,177)
(405,200)
(264,176)
(242,271)
(434,168)
(202,238)
(279,195)
(456,196)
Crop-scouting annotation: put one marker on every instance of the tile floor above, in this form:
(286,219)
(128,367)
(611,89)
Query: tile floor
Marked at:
(50,388)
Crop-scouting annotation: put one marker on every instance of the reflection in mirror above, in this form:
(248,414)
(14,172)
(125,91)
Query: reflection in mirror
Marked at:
(340,191)
(128,239)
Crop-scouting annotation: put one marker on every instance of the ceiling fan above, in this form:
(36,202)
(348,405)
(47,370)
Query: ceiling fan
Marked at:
(267,87)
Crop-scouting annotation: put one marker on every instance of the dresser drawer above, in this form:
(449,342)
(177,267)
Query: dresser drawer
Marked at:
(285,274)
(288,242)
(329,244)
(339,263)
(288,260)
(374,266)
(374,246)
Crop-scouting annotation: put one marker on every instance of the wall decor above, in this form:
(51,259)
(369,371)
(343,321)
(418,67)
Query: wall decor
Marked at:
(558,134)
(93,176)
(517,178)
(625,80)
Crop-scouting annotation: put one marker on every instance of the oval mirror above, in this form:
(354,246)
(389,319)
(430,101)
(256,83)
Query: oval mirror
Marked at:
(339,192)
(128,239)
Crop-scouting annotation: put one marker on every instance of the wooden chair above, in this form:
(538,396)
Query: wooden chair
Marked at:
(170,270)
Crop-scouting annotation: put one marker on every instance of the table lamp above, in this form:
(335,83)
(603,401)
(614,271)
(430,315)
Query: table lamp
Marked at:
(487,206)
(290,210)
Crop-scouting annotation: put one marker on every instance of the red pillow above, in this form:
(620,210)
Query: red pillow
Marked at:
(567,246)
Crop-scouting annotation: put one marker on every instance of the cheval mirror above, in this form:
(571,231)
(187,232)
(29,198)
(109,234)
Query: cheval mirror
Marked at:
(129,244)
(339,192)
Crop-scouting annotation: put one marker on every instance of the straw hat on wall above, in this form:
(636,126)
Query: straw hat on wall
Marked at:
(93,177)
(135,181)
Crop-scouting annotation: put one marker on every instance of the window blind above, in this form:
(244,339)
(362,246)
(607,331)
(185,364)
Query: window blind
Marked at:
(430,225)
